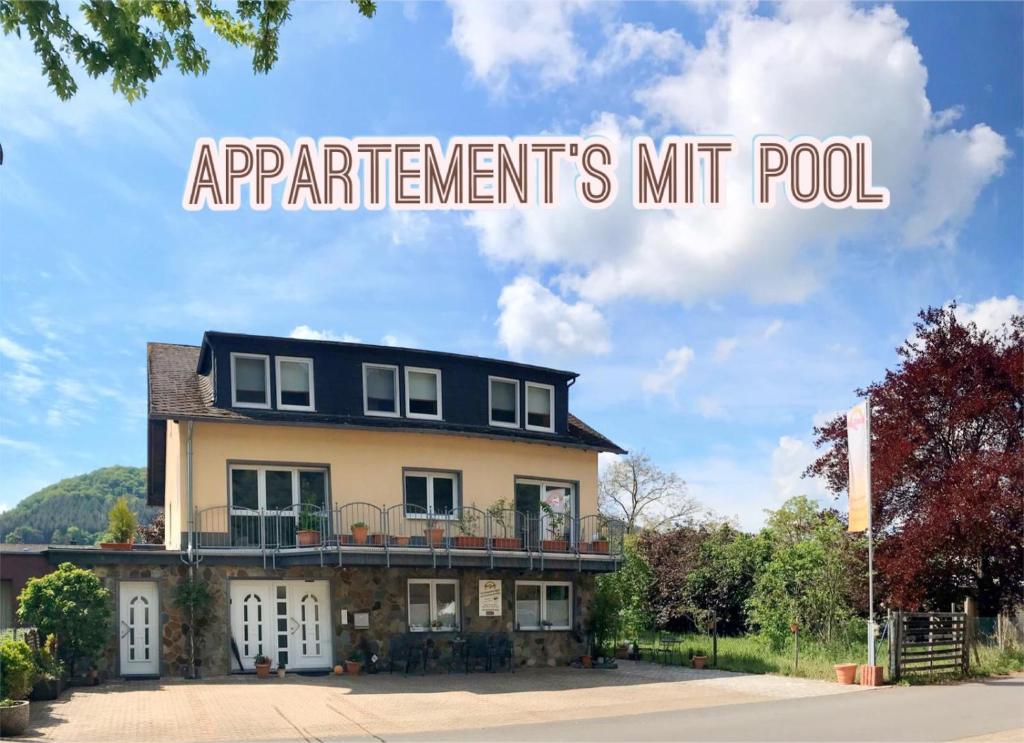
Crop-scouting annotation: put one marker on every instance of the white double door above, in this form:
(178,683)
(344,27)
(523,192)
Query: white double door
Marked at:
(139,628)
(288,621)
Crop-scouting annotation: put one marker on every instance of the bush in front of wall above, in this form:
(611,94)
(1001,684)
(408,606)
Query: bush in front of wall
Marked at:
(17,669)
(72,604)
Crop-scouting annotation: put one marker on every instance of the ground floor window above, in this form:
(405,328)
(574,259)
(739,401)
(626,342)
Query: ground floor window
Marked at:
(543,605)
(433,605)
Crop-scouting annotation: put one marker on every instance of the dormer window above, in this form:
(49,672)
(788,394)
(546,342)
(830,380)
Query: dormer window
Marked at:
(503,399)
(422,393)
(294,383)
(540,407)
(250,380)
(380,389)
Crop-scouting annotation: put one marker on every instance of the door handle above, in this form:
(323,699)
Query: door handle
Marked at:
(126,627)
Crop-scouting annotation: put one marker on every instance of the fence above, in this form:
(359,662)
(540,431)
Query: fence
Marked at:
(927,642)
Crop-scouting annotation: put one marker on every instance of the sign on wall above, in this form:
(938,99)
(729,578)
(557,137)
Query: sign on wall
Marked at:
(490,598)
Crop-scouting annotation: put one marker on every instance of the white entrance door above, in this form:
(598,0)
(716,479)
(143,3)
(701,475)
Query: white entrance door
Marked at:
(139,628)
(288,621)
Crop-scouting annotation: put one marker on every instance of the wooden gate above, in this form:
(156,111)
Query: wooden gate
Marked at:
(927,642)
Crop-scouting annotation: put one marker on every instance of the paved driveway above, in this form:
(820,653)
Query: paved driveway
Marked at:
(244,708)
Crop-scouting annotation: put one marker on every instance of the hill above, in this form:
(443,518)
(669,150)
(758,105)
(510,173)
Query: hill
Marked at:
(75,510)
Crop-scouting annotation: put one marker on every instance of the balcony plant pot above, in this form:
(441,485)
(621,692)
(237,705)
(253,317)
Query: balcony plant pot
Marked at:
(353,667)
(583,547)
(307,537)
(599,546)
(468,542)
(872,675)
(433,536)
(14,719)
(505,543)
(123,546)
(377,540)
(845,672)
(263,670)
(359,533)
(699,661)
(555,545)
(400,541)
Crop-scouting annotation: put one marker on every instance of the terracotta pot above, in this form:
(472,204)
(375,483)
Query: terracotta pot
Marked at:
(845,672)
(434,536)
(338,670)
(14,720)
(400,541)
(600,546)
(377,540)
(353,667)
(583,547)
(466,542)
(699,661)
(588,662)
(359,534)
(872,675)
(555,545)
(116,546)
(263,670)
(307,537)
(505,543)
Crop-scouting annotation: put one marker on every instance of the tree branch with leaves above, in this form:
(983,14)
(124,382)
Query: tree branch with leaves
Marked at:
(644,496)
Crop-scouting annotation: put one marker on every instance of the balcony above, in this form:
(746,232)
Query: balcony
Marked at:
(400,533)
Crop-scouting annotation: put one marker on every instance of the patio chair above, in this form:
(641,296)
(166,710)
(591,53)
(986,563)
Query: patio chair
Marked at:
(501,651)
(667,647)
(477,648)
(405,650)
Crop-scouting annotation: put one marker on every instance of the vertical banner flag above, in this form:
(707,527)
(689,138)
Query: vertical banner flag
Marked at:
(858,436)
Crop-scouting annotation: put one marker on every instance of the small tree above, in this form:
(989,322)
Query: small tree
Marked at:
(72,604)
(643,495)
(121,522)
(194,599)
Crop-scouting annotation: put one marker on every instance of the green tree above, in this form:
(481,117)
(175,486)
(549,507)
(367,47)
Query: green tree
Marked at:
(121,522)
(722,579)
(25,535)
(135,40)
(632,584)
(72,604)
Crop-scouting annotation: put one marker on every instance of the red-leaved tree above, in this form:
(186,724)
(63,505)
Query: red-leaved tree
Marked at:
(947,466)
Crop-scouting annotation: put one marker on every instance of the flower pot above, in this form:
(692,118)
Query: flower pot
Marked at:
(307,537)
(599,546)
(400,541)
(845,672)
(359,534)
(699,661)
(353,667)
(466,542)
(377,540)
(14,719)
(433,536)
(588,662)
(872,675)
(115,546)
(338,670)
(47,688)
(583,547)
(505,543)
(263,670)
(555,545)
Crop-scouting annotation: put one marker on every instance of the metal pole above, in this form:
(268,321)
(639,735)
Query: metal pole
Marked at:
(871,552)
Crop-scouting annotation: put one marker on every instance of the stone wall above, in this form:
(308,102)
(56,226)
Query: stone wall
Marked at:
(379,591)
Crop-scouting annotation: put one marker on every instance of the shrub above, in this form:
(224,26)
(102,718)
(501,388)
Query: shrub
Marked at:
(194,599)
(121,521)
(17,669)
(73,605)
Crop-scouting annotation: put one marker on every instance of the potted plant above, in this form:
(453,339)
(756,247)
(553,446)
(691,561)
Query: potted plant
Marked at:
(359,532)
(377,540)
(434,535)
(699,661)
(599,544)
(353,666)
(555,522)
(262,664)
(50,681)
(121,525)
(845,672)
(17,672)
(469,519)
(281,670)
(308,533)
(400,541)
(499,513)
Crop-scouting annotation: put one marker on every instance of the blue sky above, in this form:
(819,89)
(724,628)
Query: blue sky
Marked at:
(714,341)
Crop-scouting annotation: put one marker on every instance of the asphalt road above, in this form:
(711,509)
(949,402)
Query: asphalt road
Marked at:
(916,713)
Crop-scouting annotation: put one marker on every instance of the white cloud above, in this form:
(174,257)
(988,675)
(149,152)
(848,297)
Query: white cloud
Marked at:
(631,43)
(991,314)
(724,348)
(537,35)
(789,460)
(307,333)
(809,69)
(773,327)
(670,369)
(710,407)
(535,319)
(15,351)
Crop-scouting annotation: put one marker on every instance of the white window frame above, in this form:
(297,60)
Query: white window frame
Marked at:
(431,475)
(261,485)
(280,388)
(550,388)
(490,402)
(437,378)
(433,583)
(266,377)
(366,399)
(543,584)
